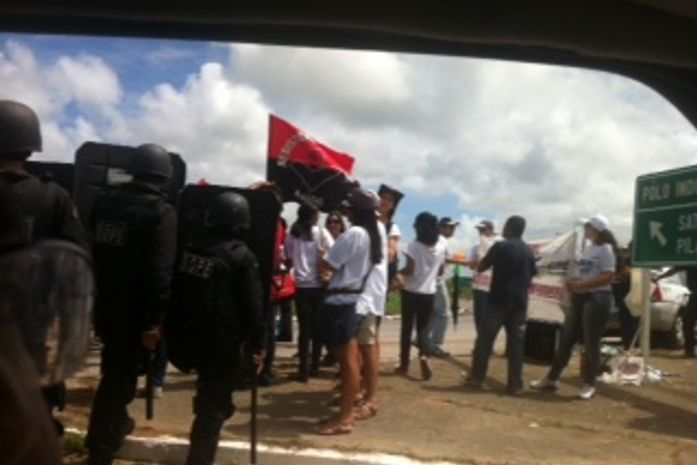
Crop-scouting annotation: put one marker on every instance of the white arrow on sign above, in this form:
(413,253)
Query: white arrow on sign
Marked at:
(655,231)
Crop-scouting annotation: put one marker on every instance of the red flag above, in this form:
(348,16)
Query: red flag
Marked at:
(290,144)
(307,170)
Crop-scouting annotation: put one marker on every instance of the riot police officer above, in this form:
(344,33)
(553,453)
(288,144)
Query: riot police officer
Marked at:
(47,209)
(218,296)
(133,234)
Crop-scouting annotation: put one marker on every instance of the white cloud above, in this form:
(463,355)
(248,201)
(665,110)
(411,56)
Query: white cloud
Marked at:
(86,80)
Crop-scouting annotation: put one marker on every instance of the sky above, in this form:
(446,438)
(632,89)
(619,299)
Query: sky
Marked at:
(466,138)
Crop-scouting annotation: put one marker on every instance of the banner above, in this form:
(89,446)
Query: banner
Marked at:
(556,259)
(306,170)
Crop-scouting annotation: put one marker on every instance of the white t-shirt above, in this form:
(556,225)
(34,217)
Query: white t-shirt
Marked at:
(427,264)
(394,232)
(305,256)
(440,279)
(482,281)
(350,257)
(596,260)
(372,300)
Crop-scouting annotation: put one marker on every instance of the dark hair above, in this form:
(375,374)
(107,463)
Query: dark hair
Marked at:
(338,216)
(606,237)
(302,228)
(426,226)
(514,227)
(368,220)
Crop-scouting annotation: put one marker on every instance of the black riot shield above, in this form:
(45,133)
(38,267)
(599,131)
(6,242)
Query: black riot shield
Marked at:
(100,165)
(265,211)
(49,289)
(62,174)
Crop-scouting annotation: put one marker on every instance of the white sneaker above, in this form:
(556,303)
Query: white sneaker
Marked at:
(587,392)
(157,392)
(544,384)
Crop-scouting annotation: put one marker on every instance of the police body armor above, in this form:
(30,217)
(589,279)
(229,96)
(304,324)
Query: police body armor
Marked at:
(47,208)
(204,322)
(122,227)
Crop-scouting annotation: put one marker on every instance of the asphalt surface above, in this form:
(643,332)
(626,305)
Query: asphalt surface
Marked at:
(442,420)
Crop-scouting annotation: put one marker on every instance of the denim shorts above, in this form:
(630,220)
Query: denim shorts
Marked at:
(337,325)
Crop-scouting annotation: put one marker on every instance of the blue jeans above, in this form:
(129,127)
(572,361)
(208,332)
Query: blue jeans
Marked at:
(438,324)
(480,302)
(513,318)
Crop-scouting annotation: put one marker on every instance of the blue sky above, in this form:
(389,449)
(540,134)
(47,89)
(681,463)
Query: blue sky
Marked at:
(462,137)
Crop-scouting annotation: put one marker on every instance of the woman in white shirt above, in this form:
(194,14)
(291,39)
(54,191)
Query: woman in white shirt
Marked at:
(352,259)
(305,246)
(389,201)
(425,261)
(591,301)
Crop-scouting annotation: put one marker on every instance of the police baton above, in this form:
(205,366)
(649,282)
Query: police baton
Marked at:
(150,386)
(253,420)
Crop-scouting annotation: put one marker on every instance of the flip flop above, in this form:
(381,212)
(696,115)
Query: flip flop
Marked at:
(366,411)
(335,429)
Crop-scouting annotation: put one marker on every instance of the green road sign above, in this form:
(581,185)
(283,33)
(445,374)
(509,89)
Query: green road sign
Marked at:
(665,218)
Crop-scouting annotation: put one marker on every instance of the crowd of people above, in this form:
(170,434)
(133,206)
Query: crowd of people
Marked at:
(206,298)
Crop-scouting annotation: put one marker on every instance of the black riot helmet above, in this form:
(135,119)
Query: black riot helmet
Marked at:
(230,211)
(20,134)
(151,161)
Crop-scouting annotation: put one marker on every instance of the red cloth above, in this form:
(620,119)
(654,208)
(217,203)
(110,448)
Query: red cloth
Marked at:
(290,144)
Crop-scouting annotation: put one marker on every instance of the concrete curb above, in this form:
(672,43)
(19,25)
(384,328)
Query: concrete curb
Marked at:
(172,451)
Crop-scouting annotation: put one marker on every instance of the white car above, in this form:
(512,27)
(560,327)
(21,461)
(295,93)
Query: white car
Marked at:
(667,301)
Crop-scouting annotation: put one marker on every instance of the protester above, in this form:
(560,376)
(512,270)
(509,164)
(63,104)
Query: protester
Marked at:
(513,266)
(352,259)
(305,246)
(133,231)
(389,201)
(335,224)
(689,312)
(371,305)
(591,302)
(223,269)
(438,324)
(425,261)
(49,213)
(481,281)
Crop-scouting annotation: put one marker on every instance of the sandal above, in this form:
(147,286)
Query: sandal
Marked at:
(366,411)
(335,429)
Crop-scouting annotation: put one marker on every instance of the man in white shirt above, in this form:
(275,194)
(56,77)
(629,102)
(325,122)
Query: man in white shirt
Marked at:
(481,281)
(438,324)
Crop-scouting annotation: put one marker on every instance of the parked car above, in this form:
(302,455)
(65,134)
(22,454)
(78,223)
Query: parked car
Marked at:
(667,302)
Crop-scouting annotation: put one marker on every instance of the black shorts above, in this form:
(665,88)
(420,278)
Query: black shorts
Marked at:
(338,324)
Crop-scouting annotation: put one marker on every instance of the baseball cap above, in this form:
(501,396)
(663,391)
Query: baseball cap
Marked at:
(485,224)
(361,199)
(598,222)
(447,221)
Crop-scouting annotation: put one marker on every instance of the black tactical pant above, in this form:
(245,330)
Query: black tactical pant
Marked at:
(212,406)
(109,420)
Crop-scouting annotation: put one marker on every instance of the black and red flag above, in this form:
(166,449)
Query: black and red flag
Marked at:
(306,170)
